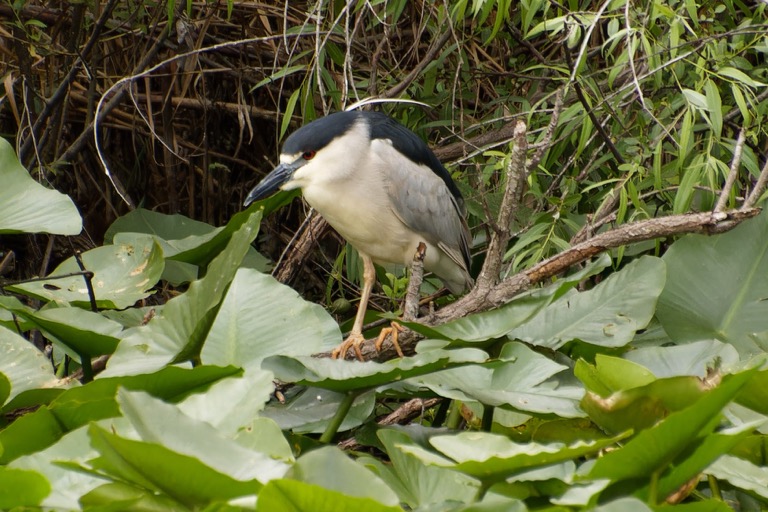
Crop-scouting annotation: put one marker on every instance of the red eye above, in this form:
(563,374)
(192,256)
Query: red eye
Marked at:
(308,155)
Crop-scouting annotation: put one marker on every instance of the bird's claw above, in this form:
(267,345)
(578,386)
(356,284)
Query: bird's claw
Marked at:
(354,340)
(394,330)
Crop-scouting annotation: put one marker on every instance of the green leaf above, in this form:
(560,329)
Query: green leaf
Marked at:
(294,496)
(710,449)
(22,488)
(183,240)
(419,484)
(29,433)
(755,393)
(246,331)
(23,365)
(156,468)
(177,333)
(66,485)
(118,496)
(522,380)
(313,408)
(610,374)
(691,359)
(231,404)
(714,106)
(494,458)
(151,417)
(342,375)
(97,399)
(652,450)
(609,315)
(331,469)
(729,304)
(642,406)
(82,332)
(741,474)
(123,274)
(739,76)
(479,327)
(21,198)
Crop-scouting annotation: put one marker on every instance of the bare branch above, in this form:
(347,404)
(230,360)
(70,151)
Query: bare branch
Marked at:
(733,173)
(515,178)
(704,223)
(411,308)
(758,189)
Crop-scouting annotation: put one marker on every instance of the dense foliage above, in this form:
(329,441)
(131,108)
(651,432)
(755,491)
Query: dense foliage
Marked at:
(159,366)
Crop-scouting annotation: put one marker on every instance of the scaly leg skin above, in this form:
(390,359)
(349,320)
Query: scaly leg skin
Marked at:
(356,338)
(394,330)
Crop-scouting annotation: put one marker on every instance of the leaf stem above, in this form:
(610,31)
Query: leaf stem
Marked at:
(85,364)
(487,418)
(653,489)
(714,487)
(454,415)
(338,418)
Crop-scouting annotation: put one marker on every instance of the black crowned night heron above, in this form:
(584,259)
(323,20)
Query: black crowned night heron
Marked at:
(380,186)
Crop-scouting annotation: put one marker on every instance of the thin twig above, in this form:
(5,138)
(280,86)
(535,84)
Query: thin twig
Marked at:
(436,47)
(411,307)
(546,142)
(758,189)
(60,92)
(404,414)
(734,171)
(88,278)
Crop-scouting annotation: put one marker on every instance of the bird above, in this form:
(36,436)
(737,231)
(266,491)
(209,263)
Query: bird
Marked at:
(384,191)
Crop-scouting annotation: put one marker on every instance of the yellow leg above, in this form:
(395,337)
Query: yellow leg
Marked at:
(394,330)
(356,338)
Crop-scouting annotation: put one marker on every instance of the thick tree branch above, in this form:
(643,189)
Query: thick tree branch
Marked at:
(707,223)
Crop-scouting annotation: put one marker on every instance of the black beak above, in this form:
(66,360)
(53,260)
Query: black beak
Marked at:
(271,182)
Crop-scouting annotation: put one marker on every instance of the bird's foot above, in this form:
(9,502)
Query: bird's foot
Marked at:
(394,330)
(354,340)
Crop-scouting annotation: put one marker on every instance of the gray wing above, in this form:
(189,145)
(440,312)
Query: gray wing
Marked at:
(423,202)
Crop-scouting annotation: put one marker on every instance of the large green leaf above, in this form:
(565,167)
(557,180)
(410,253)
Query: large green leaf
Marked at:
(28,207)
(183,239)
(259,317)
(495,323)
(417,483)
(742,474)
(23,365)
(31,432)
(231,405)
(331,469)
(19,487)
(522,380)
(96,400)
(342,375)
(157,468)
(690,359)
(704,454)
(151,418)
(312,409)
(186,243)
(66,485)
(494,458)
(652,450)
(176,334)
(82,332)
(295,496)
(122,275)
(624,395)
(609,315)
(717,288)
